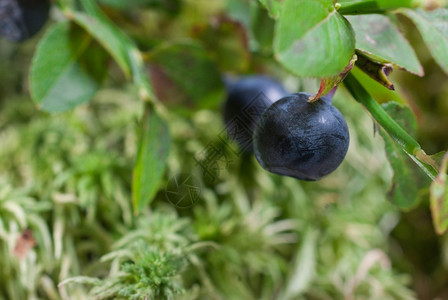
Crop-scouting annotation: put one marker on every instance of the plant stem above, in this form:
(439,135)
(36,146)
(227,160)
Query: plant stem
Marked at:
(398,134)
(359,7)
(379,114)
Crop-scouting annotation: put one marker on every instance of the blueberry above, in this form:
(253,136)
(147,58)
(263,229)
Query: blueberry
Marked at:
(247,99)
(21,19)
(300,139)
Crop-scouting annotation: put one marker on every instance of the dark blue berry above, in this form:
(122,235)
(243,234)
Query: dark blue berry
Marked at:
(247,99)
(300,139)
(21,19)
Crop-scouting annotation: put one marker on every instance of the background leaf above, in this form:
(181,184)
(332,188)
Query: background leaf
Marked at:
(312,39)
(109,37)
(273,7)
(379,39)
(408,178)
(118,44)
(172,6)
(152,154)
(262,29)
(226,42)
(439,199)
(67,68)
(182,72)
(433,27)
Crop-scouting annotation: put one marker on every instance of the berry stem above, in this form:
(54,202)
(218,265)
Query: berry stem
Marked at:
(331,93)
(398,134)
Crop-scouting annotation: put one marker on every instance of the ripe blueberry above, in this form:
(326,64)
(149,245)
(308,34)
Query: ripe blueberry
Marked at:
(300,139)
(247,99)
(21,19)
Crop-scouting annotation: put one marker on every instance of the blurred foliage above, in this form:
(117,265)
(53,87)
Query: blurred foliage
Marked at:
(426,97)
(73,172)
(250,235)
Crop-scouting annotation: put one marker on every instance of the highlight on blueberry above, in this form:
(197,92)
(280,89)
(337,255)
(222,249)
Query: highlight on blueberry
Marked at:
(246,100)
(300,139)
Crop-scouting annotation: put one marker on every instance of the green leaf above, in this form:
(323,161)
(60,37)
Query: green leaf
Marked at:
(438,157)
(433,27)
(118,44)
(376,89)
(67,68)
(166,5)
(312,39)
(119,4)
(380,40)
(273,7)
(140,77)
(395,131)
(114,41)
(152,154)
(238,10)
(183,74)
(408,178)
(262,30)
(439,199)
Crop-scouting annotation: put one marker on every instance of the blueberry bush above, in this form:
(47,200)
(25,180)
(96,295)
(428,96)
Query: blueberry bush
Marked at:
(225,149)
